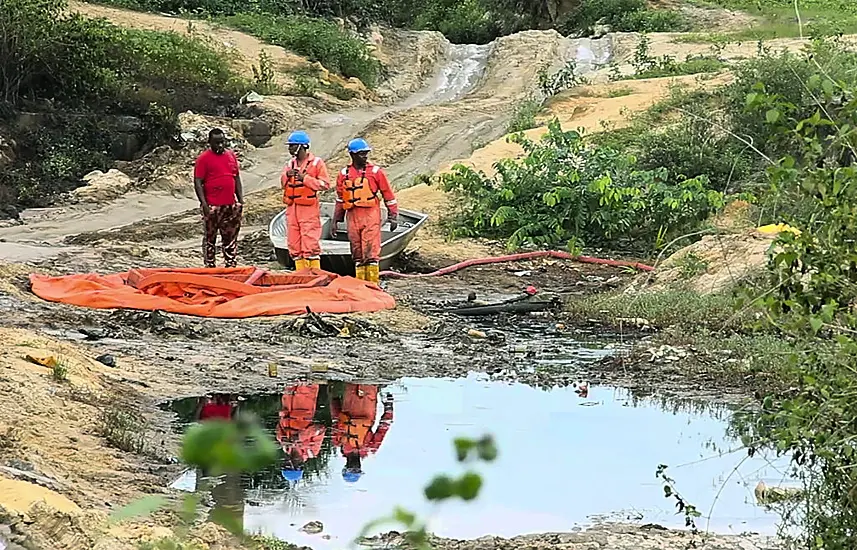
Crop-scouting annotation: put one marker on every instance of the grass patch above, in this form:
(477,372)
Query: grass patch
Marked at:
(666,67)
(620,92)
(777,19)
(690,265)
(123,429)
(59,371)
(317,39)
(524,117)
(660,309)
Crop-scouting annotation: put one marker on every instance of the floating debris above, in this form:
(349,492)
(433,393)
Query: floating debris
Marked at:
(767,495)
(313,528)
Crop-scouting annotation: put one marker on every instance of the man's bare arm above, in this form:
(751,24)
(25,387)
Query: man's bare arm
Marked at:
(239,190)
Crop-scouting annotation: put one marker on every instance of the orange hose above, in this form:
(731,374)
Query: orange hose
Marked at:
(522,256)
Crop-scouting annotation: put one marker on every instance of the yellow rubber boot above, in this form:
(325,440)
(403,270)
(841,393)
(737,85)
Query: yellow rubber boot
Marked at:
(372,275)
(360,272)
(300,264)
(314,263)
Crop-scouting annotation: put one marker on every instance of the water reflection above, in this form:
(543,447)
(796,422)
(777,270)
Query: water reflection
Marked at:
(315,424)
(227,491)
(566,457)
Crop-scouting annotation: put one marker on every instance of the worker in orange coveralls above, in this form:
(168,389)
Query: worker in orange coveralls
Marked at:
(302,178)
(353,418)
(297,433)
(357,189)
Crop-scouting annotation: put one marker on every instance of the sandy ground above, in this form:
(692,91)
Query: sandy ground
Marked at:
(49,429)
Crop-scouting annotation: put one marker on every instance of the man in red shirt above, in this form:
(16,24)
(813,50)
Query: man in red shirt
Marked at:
(218,186)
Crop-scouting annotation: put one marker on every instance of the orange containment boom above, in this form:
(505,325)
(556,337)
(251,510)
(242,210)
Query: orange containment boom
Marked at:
(219,292)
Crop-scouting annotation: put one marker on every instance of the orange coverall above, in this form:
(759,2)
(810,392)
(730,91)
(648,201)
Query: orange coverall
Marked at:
(353,419)
(296,432)
(357,194)
(302,207)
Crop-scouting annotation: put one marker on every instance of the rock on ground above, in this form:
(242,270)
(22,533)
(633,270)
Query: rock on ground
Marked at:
(100,186)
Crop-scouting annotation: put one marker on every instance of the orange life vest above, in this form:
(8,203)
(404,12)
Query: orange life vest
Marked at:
(353,432)
(358,191)
(296,192)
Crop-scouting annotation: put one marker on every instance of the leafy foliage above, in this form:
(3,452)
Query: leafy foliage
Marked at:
(317,39)
(524,116)
(621,16)
(461,21)
(51,57)
(813,278)
(563,190)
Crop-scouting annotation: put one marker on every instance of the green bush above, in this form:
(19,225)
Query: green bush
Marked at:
(461,21)
(95,69)
(647,20)
(563,191)
(621,16)
(813,282)
(524,116)
(316,39)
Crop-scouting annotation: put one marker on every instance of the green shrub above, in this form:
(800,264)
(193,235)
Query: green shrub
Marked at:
(316,39)
(621,16)
(524,116)
(95,69)
(646,20)
(461,21)
(564,191)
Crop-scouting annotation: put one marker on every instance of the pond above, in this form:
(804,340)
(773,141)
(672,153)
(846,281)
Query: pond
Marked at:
(566,459)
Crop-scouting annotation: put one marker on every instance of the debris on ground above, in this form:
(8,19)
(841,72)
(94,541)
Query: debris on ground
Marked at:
(321,326)
(160,323)
(107,360)
(666,354)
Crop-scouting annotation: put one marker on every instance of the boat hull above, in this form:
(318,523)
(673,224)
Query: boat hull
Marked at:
(335,248)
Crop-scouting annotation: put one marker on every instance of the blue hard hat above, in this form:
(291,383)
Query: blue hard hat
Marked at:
(298,137)
(292,475)
(358,145)
(351,476)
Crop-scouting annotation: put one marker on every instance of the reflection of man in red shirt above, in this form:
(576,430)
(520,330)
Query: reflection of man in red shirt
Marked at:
(298,434)
(218,187)
(219,407)
(353,418)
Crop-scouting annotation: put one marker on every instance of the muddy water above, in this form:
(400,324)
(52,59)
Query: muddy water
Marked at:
(566,460)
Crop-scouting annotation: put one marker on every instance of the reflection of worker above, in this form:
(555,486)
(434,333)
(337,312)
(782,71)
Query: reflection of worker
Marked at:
(357,188)
(299,436)
(353,418)
(302,178)
(219,406)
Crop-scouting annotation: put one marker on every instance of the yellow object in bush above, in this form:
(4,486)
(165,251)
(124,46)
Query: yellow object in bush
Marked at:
(777,228)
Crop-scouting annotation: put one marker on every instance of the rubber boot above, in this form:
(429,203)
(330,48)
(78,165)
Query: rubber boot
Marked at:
(360,272)
(372,275)
(314,263)
(300,264)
